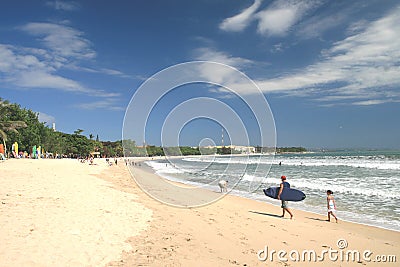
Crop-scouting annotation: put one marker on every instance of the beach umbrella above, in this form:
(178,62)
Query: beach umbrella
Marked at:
(34,151)
(16,148)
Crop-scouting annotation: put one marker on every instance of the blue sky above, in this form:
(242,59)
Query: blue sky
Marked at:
(330,70)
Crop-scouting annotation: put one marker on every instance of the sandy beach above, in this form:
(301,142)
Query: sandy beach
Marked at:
(57,213)
(65,213)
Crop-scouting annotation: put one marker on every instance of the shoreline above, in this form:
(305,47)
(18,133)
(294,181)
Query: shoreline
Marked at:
(263,215)
(238,194)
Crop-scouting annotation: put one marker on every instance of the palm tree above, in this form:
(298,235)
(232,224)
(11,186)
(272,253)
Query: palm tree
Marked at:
(11,126)
(78,131)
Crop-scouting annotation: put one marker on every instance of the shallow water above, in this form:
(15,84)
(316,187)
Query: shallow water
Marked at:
(365,183)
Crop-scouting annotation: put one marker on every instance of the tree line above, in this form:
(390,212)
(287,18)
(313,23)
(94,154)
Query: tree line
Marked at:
(22,125)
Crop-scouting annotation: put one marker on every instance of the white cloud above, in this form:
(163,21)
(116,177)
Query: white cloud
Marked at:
(280,16)
(114,72)
(209,54)
(339,13)
(63,40)
(314,26)
(369,102)
(363,66)
(240,21)
(64,48)
(217,74)
(63,5)
(46,118)
(38,79)
(11,62)
(30,68)
(109,104)
(276,20)
(277,48)
(108,71)
(357,27)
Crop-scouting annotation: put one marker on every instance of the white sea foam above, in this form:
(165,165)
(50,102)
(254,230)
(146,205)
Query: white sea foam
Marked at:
(379,162)
(163,167)
(363,184)
(344,187)
(253,178)
(347,188)
(359,163)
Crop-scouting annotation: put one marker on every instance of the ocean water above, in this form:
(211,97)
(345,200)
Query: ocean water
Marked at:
(366,184)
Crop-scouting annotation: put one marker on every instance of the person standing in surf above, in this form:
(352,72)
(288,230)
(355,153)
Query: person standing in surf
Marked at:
(331,205)
(284,203)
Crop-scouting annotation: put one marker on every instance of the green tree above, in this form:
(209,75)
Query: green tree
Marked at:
(7,122)
(112,149)
(154,151)
(32,132)
(54,142)
(78,131)
(131,150)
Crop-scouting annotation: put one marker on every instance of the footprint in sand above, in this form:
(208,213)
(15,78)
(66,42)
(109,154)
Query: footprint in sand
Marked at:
(234,262)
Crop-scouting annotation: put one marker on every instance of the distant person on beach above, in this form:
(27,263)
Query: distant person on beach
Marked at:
(284,203)
(223,185)
(331,205)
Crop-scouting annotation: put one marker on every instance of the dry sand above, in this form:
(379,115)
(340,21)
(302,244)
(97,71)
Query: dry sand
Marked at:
(56,212)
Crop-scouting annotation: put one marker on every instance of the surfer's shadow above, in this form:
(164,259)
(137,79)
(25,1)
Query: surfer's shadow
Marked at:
(266,214)
(316,219)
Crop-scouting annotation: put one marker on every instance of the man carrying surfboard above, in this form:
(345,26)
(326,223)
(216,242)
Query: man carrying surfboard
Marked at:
(284,205)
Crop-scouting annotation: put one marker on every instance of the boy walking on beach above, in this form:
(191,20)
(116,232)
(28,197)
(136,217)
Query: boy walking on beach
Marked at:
(331,205)
(284,202)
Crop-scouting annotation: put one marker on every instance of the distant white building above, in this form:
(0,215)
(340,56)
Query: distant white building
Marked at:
(241,149)
(54,126)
